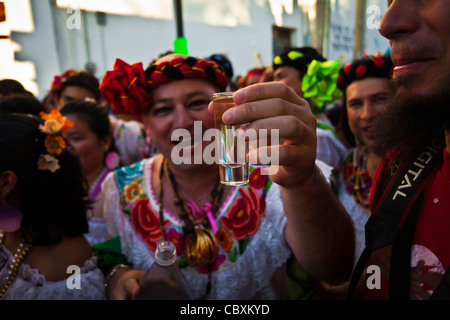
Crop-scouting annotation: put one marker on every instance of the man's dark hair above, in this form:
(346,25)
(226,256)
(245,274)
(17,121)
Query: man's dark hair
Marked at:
(298,61)
(83,80)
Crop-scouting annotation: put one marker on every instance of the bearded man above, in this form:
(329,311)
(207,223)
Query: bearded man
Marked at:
(408,239)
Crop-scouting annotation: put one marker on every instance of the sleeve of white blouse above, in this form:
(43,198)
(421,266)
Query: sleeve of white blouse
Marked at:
(111,204)
(275,210)
(329,149)
(130,141)
(274,202)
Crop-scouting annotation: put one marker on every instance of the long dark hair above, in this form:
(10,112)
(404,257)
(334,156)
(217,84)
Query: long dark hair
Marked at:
(53,203)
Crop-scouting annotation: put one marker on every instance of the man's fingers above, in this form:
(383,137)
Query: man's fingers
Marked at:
(131,287)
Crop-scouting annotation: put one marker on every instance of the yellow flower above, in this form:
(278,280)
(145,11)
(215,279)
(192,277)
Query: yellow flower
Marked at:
(54,122)
(224,239)
(132,191)
(55,145)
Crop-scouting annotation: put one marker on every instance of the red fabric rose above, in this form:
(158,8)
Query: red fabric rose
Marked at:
(124,88)
(146,222)
(244,215)
(258,180)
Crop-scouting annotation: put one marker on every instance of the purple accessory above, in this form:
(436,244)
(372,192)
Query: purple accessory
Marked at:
(112,160)
(98,184)
(10,218)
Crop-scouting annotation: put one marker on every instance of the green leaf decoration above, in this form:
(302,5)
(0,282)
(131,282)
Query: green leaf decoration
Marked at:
(233,254)
(182,262)
(277,60)
(319,85)
(243,244)
(294,55)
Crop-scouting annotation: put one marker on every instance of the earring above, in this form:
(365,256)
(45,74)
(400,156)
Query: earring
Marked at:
(112,160)
(10,218)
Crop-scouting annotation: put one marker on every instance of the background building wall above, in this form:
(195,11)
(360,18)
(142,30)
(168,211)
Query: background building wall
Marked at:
(68,36)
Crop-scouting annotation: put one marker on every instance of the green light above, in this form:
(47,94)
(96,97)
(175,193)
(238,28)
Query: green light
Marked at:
(180,45)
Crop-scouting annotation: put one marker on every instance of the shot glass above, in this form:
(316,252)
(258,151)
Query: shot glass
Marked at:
(232,146)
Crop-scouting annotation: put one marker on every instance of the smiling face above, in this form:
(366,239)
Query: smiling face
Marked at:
(365,100)
(176,105)
(419,34)
(86,145)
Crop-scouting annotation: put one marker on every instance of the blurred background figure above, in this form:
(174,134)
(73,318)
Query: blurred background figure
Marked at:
(253,76)
(74,85)
(21,103)
(365,84)
(91,139)
(313,78)
(129,135)
(225,64)
(12,87)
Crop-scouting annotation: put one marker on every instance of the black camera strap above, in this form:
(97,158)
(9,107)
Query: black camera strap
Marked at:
(392,214)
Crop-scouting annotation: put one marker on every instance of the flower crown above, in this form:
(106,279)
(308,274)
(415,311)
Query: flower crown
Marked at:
(54,125)
(59,79)
(127,88)
(366,67)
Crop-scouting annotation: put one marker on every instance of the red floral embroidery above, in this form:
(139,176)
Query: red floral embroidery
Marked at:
(257,180)
(146,222)
(244,215)
(177,239)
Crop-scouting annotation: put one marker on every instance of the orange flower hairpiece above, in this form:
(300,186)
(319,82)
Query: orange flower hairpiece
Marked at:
(54,125)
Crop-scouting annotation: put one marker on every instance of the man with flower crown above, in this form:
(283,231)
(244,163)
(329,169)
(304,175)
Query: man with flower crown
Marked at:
(232,242)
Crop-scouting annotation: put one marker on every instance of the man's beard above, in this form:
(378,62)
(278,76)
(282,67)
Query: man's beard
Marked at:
(409,116)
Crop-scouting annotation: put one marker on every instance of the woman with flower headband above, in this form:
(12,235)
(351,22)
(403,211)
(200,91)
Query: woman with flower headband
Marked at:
(232,242)
(91,139)
(43,214)
(129,136)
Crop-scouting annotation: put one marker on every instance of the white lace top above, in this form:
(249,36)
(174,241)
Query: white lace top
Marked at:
(240,273)
(31,285)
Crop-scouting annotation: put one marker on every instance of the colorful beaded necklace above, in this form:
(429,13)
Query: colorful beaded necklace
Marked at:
(17,260)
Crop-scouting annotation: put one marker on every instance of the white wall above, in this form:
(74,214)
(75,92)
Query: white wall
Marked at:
(237,28)
(54,47)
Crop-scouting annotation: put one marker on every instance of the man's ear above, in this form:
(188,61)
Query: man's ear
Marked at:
(8,181)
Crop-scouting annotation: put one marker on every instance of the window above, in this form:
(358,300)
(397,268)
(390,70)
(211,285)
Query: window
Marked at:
(282,39)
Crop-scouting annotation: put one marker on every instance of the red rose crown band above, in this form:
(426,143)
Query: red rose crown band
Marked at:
(128,88)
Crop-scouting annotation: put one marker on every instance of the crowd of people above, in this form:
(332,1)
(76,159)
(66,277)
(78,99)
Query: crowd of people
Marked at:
(358,208)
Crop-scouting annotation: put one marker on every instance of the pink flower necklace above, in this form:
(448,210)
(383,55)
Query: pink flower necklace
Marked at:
(201,245)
